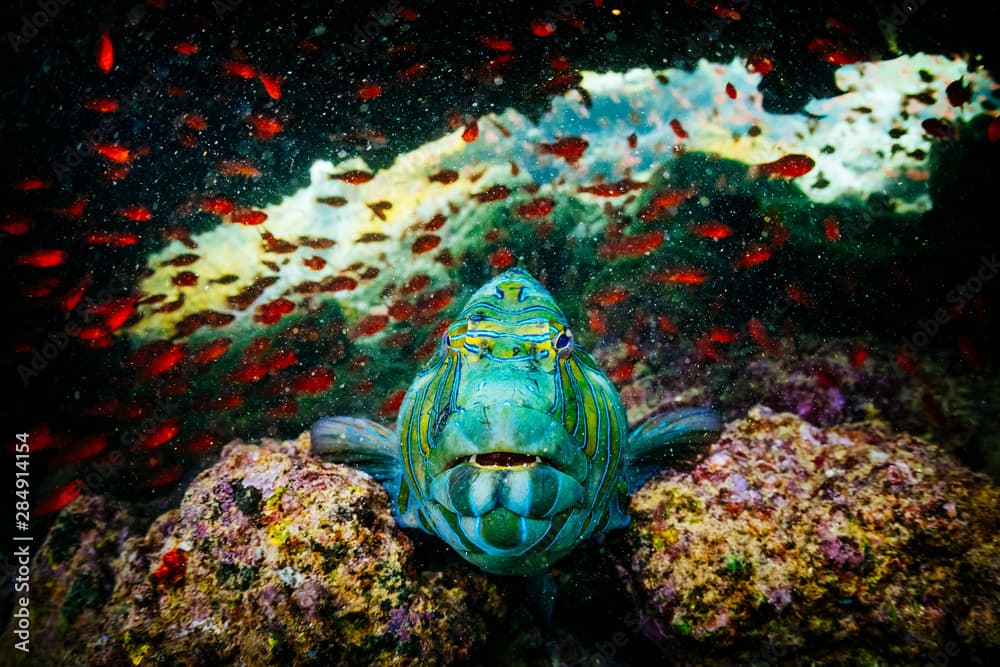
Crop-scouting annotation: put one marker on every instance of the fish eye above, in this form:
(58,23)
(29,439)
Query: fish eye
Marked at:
(564,343)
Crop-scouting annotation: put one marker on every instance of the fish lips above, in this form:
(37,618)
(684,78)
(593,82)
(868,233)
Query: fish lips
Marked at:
(507,436)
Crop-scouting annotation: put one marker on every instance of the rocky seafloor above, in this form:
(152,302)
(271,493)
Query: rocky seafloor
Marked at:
(785,544)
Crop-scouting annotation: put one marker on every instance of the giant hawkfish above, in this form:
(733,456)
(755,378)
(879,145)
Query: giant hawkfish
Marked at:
(511,444)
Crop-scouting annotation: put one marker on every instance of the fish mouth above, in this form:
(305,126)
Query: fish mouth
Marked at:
(501,460)
(506,436)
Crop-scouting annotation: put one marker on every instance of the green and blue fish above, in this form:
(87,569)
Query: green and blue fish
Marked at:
(511,444)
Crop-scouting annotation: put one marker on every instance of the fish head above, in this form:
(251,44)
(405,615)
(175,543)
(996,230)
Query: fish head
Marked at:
(512,436)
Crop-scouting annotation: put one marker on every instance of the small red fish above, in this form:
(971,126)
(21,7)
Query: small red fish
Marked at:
(216,205)
(857,355)
(993,130)
(199,444)
(264,127)
(831,228)
(415,284)
(248,216)
(723,336)
(683,275)
(282,359)
(799,295)
(251,372)
(212,350)
(542,28)
(43,258)
(471,131)
(114,312)
(369,91)
(114,152)
(195,121)
(496,43)
(162,361)
(238,69)
(725,11)
(502,258)
(425,243)
(273,311)
(401,310)
(162,476)
(379,208)
(758,331)
(136,213)
(86,448)
(272,85)
(608,297)
(16,224)
(535,209)
(315,382)
(353,176)
(731,91)
(834,53)
(788,166)
(105,52)
(613,189)
(339,284)
(390,407)
(906,362)
(102,105)
(369,325)
(570,149)
(163,433)
(631,246)
(238,168)
(60,498)
(315,263)
(411,73)
(760,63)
(753,256)
(74,210)
(713,229)
(31,184)
(444,177)
(491,194)
(595,320)
(678,129)
(435,223)
(185,48)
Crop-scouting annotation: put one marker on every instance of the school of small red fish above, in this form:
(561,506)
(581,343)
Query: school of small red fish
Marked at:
(253,315)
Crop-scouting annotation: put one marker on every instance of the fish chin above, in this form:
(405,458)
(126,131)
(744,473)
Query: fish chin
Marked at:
(502,542)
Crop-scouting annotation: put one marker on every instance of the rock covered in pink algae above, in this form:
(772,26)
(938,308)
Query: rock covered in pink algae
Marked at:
(808,546)
(276,557)
(71,578)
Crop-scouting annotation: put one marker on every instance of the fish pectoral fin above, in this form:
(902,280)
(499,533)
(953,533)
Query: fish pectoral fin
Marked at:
(362,444)
(668,438)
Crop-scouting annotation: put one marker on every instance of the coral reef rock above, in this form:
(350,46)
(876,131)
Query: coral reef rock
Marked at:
(276,557)
(792,544)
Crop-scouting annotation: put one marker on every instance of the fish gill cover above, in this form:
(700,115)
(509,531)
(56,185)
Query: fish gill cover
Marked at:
(227,220)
